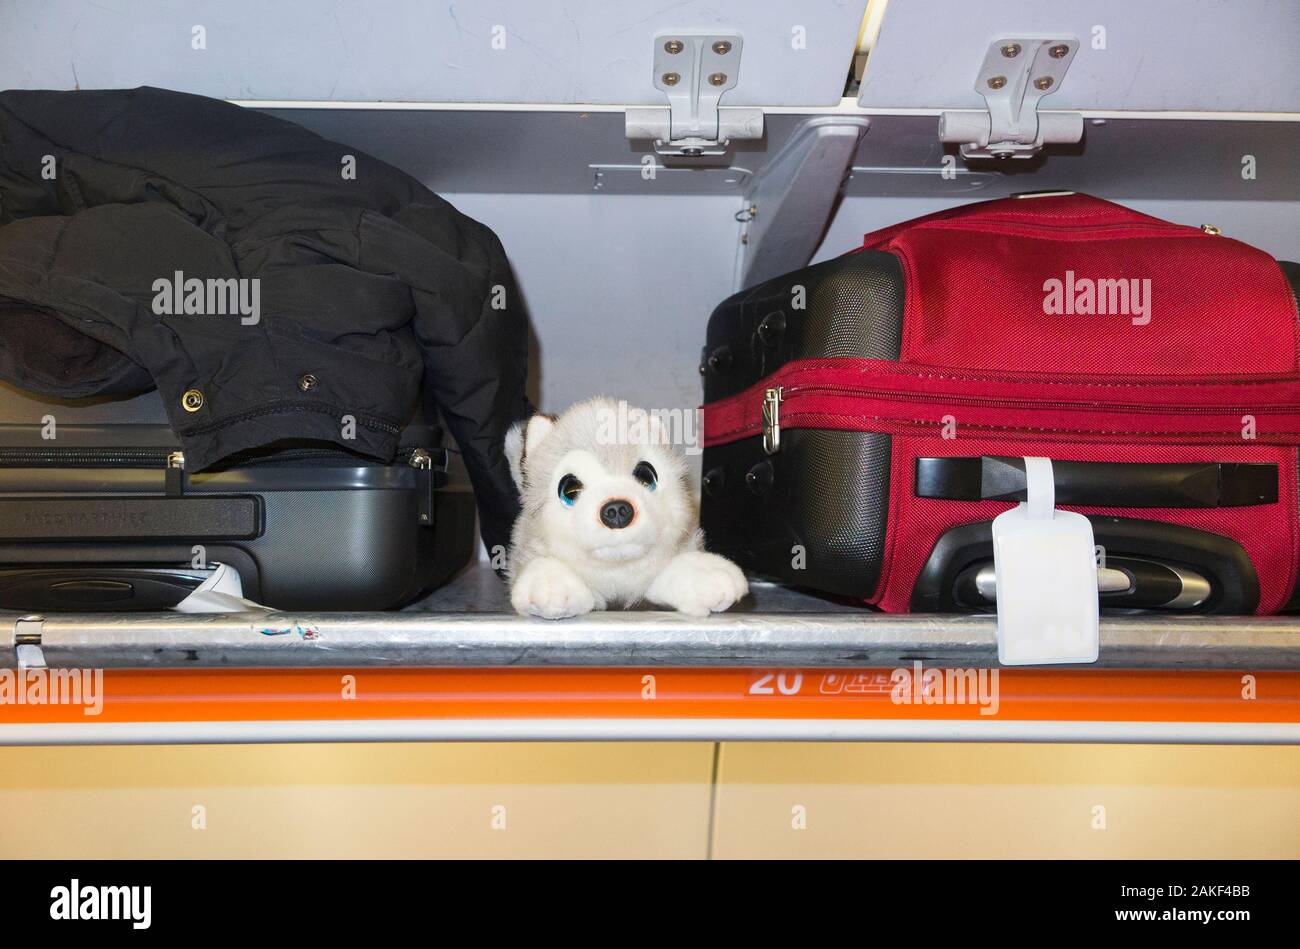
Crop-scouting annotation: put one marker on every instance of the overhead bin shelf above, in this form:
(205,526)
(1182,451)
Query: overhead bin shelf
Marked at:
(672,705)
(469,624)
(786,666)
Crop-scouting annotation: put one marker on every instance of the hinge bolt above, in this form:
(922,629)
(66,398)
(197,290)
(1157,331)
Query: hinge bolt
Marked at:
(673,46)
(997,82)
(722,47)
(1043,82)
(1011,50)
(1059,51)
(671,79)
(717,78)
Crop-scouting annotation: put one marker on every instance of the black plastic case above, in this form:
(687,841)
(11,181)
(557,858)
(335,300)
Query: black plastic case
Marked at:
(103,516)
(825,494)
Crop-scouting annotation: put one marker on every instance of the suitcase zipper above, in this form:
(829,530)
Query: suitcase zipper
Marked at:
(1110,229)
(1133,228)
(814,404)
(772,419)
(1013,426)
(1133,407)
(83,458)
(420,458)
(1038,225)
(424,462)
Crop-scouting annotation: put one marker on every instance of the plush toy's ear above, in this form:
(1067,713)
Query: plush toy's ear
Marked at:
(522,438)
(515,453)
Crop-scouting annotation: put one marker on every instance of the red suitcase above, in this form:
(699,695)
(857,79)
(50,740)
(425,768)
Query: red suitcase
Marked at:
(1157,364)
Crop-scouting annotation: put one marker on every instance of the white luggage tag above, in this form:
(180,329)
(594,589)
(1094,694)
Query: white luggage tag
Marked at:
(1044,560)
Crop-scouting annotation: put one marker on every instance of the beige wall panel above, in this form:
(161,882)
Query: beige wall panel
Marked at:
(974,800)
(360,800)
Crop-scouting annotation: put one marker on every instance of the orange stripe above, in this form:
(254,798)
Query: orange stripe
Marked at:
(1023,694)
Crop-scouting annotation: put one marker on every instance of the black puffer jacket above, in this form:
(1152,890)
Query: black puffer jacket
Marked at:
(365,285)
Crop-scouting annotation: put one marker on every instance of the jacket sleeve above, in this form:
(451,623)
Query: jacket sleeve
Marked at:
(473,333)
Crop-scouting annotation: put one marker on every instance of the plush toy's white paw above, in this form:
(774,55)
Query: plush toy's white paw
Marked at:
(698,584)
(549,589)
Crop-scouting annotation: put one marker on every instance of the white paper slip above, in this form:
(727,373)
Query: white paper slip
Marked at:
(223,592)
(1046,571)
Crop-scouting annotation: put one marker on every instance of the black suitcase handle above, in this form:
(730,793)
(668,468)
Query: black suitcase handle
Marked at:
(1218,560)
(1101,483)
(72,587)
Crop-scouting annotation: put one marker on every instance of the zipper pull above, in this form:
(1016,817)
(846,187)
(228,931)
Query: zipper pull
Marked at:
(172,485)
(422,462)
(772,419)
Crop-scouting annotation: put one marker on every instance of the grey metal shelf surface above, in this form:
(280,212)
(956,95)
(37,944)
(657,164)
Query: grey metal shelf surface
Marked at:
(468,624)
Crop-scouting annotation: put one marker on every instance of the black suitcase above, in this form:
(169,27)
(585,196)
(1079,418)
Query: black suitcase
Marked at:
(104,516)
(853,308)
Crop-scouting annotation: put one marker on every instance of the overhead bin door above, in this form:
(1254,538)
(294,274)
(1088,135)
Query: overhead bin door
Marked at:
(1157,55)
(506,51)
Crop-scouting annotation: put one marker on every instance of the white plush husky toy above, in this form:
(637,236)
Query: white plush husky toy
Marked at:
(608,518)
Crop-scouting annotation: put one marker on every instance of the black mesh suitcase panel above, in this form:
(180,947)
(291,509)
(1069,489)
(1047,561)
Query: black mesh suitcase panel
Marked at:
(794,516)
(852,306)
(814,513)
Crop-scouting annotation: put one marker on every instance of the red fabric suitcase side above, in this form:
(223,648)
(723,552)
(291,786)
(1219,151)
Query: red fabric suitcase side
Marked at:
(1006,351)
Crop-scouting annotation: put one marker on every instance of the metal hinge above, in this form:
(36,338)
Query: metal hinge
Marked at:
(772,419)
(1017,72)
(694,70)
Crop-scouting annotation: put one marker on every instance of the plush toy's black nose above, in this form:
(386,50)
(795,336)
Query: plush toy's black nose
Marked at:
(616,513)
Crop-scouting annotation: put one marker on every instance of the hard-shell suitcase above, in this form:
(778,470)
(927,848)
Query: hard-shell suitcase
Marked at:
(97,512)
(866,418)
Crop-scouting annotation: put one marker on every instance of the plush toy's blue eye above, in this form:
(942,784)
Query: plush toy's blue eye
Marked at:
(570,488)
(646,474)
